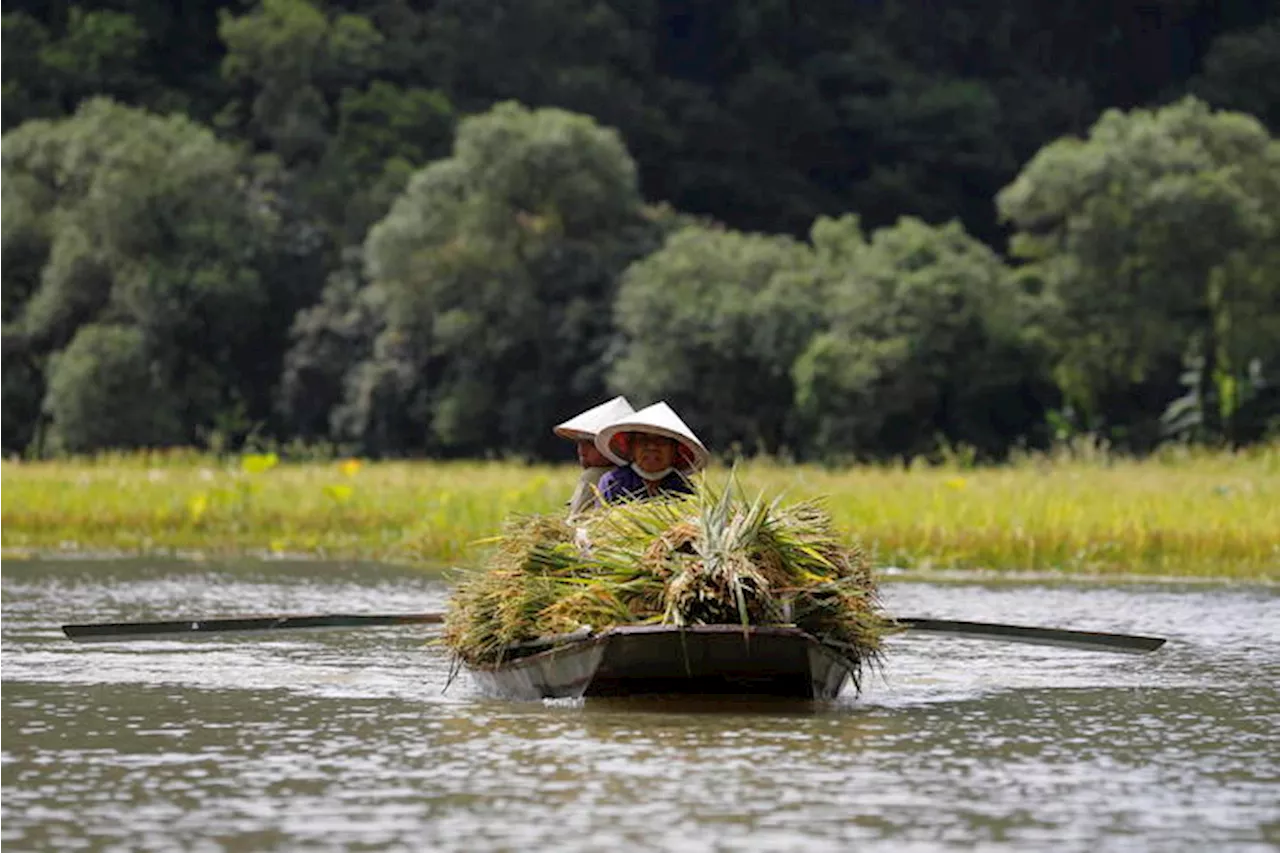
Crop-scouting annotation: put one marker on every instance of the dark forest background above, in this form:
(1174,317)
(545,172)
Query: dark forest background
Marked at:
(829,230)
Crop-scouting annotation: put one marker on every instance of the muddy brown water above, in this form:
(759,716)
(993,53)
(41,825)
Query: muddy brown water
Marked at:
(348,740)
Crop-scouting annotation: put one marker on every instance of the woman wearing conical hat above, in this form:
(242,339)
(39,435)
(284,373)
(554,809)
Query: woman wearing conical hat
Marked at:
(581,429)
(659,453)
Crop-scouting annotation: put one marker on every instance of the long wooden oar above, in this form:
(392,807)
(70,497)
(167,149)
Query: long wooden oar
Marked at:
(1090,640)
(124,631)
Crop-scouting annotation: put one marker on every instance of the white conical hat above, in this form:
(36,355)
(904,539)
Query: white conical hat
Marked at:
(658,419)
(586,425)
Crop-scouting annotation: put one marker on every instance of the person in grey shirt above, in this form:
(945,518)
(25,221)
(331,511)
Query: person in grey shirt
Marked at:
(581,429)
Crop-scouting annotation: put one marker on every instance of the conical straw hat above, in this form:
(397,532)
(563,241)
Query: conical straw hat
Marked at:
(658,419)
(586,425)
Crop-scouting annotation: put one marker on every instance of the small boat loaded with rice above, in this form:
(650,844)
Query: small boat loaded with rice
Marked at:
(707,595)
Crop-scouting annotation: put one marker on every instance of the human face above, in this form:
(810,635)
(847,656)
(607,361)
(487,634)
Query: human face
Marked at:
(589,456)
(652,452)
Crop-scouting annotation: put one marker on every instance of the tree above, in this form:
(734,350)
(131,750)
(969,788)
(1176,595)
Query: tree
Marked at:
(25,237)
(289,59)
(310,92)
(711,323)
(497,269)
(383,135)
(105,392)
(328,341)
(21,393)
(98,55)
(922,342)
(1157,241)
(124,218)
(1242,72)
(133,198)
(27,92)
(49,68)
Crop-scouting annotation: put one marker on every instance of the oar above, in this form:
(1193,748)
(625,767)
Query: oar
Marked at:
(1090,640)
(122,631)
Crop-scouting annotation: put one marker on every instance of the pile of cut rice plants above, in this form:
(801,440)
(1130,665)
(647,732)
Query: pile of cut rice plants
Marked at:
(715,557)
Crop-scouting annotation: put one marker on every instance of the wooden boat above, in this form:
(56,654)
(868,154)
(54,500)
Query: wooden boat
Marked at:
(640,660)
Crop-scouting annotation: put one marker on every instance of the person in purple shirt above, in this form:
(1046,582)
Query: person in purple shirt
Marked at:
(660,451)
(581,430)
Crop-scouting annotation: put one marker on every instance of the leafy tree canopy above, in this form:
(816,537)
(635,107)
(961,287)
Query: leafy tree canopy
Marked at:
(711,323)
(1156,238)
(153,225)
(124,218)
(922,340)
(498,267)
(1242,72)
(104,392)
(287,57)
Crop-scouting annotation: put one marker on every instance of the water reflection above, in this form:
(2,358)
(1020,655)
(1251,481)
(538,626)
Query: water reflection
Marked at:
(347,740)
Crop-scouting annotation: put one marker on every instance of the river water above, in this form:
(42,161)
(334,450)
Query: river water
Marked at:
(348,740)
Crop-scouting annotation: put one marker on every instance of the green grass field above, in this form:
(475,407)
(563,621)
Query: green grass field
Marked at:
(1182,513)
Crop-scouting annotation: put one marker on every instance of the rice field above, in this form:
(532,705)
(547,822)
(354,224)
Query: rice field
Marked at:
(1184,512)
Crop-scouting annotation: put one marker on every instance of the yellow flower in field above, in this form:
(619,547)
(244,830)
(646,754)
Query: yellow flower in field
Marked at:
(350,467)
(257,463)
(196,506)
(957,483)
(340,494)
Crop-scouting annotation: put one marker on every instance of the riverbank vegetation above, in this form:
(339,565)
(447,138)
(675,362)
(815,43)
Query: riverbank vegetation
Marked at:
(1075,511)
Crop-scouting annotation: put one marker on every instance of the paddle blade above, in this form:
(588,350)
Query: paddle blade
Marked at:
(1094,641)
(102,632)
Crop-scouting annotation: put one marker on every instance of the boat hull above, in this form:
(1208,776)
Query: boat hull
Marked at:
(703,660)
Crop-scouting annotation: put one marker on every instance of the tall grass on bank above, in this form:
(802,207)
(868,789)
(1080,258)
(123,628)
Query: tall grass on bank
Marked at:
(1183,512)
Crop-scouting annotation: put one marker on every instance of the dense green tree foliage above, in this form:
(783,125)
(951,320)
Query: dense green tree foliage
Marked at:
(1242,72)
(26,90)
(711,322)
(1158,241)
(105,391)
(285,56)
(439,227)
(922,340)
(118,217)
(491,282)
(20,398)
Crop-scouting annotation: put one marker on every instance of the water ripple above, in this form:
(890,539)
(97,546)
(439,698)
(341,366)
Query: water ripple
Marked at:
(348,740)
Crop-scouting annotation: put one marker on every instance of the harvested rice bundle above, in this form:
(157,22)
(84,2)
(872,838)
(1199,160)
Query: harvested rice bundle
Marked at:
(712,558)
